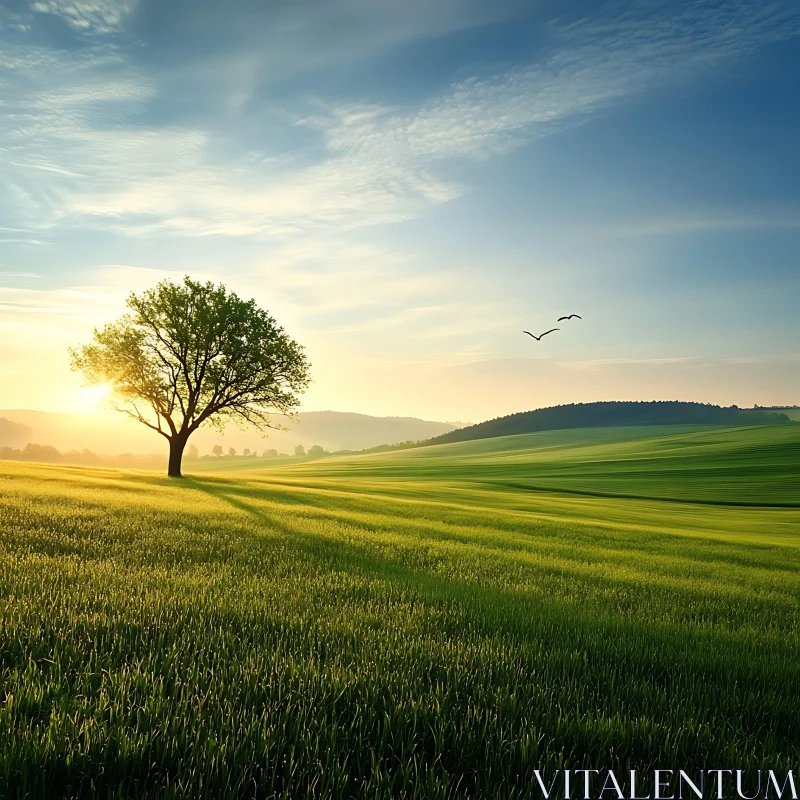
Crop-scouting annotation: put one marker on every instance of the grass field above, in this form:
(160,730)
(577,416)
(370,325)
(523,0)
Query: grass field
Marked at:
(733,466)
(434,622)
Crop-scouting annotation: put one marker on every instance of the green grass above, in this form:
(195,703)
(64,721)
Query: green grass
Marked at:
(737,466)
(410,624)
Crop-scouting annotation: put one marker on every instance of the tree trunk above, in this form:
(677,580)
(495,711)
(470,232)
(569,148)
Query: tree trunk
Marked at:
(176,446)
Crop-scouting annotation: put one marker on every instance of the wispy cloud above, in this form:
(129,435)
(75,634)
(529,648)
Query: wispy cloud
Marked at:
(606,362)
(667,225)
(77,146)
(394,153)
(21,242)
(88,16)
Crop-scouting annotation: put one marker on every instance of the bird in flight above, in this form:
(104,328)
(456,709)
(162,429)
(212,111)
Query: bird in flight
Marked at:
(539,337)
(570,316)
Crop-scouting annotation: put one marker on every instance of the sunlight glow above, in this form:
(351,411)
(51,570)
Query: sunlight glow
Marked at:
(88,399)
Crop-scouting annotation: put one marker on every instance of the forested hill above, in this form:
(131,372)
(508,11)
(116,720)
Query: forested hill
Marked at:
(594,415)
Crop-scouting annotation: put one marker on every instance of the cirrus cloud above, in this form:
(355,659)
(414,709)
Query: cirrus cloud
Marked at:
(79,148)
(88,16)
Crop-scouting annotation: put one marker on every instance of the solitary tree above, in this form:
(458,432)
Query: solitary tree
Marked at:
(299,450)
(190,353)
(217,450)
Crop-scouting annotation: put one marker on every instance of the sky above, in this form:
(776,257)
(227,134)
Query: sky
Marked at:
(406,187)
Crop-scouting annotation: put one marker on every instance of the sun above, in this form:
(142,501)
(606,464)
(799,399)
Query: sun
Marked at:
(90,398)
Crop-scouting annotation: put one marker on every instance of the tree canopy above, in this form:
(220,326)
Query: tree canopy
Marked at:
(191,353)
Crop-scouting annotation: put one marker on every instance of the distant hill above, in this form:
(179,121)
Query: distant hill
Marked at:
(111,433)
(13,433)
(596,415)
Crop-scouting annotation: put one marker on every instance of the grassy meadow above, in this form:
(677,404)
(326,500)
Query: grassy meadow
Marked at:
(435,622)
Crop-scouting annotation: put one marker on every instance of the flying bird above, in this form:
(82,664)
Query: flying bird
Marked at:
(570,316)
(539,337)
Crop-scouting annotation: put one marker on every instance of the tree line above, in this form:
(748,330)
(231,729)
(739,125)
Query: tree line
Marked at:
(47,454)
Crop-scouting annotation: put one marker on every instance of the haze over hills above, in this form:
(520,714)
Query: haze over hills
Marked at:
(111,433)
(13,434)
(612,413)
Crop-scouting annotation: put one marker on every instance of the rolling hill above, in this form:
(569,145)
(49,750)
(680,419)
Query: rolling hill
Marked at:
(13,433)
(755,465)
(613,413)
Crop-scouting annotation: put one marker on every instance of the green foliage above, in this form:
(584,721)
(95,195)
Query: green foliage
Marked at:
(316,451)
(192,353)
(301,631)
(299,451)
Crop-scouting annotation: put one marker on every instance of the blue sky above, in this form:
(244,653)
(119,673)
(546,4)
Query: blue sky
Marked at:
(406,186)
